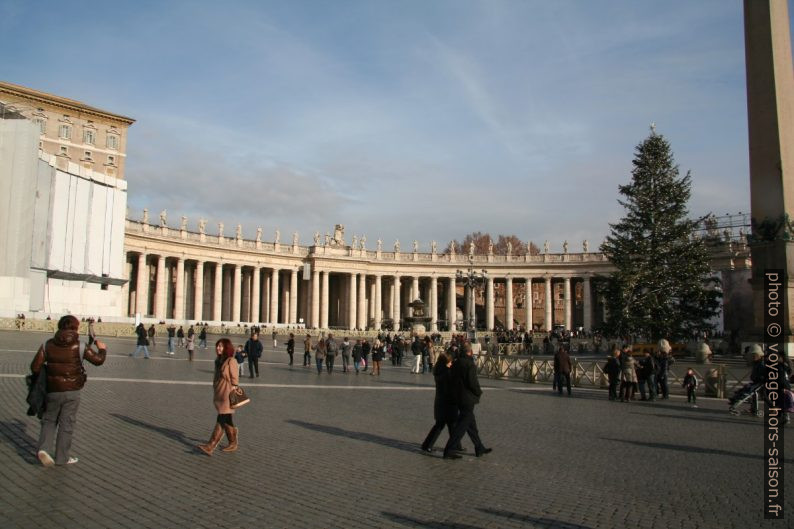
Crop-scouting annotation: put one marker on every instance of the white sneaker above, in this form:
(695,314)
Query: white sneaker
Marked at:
(72,461)
(45,458)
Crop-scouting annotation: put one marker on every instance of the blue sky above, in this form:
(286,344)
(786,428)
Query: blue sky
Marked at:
(400,119)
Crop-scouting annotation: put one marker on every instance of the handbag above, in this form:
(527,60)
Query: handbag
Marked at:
(238,398)
(37,390)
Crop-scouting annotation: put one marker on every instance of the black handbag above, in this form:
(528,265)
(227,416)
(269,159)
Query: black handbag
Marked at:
(37,390)
(238,398)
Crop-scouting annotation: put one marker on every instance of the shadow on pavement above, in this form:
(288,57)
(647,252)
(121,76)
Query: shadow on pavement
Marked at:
(167,432)
(692,449)
(534,520)
(414,522)
(359,436)
(24,444)
(727,419)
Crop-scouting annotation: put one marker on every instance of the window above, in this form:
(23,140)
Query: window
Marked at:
(64,151)
(111,160)
(87,155)
(112,142)
(88,136)
(41,123)
(65,132)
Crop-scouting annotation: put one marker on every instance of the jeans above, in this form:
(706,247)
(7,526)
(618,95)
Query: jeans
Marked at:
(307,358)
(319,363)
(345,362)
(253,366)
(329,362)
(141,348)
(417,364)
(564,377)
(651,387)
(290,357)
(357,365)
(60,415)
(170,344)
(663,386)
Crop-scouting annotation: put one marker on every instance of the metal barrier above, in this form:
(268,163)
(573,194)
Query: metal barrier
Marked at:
(590,373)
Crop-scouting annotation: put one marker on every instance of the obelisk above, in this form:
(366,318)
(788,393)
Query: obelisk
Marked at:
(770,112)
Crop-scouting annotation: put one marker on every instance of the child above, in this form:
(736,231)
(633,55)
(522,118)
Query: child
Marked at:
(691,384)
(191,345)
(240,357)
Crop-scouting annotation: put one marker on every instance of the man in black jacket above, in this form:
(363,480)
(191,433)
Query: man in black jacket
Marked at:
(253,350)
(467,393)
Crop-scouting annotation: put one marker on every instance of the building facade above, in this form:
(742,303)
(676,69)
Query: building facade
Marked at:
(183,275)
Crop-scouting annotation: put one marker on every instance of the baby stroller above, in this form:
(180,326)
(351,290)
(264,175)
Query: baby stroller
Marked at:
(746,400)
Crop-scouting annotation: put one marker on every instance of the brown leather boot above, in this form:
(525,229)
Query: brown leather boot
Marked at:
(217,433)
(231,435)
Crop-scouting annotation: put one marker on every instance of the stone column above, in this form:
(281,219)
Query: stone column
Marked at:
(371,302)
(452,312)
(489,316)
(396,309)
(362,302)
(159,295)
(315,298)
(326,277)
(566,293)
(378,300)
(274,292)
(587,304)
(237,289)
(142,286)
(433,304)
(351,305)
(179,294)
(415,289)
(217,299)
(293,297)
(509,303)
(256,304)
(198,303)
(528,303)
(548,321)
(770,113)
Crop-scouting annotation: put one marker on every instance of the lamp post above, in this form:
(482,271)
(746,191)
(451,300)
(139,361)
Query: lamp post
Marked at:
(471,279)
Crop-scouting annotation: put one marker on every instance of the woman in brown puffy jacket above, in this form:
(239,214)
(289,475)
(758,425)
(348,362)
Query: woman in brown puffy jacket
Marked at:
(227,377)
(65,378)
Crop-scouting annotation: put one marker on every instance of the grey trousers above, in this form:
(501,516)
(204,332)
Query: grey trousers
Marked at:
(61,414)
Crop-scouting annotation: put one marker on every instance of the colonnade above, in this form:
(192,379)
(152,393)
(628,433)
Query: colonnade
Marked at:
(179,288)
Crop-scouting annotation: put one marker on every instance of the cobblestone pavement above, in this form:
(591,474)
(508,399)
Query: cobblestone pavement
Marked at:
(342,451)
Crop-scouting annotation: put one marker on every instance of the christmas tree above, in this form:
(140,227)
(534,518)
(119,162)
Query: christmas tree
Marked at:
(663,286)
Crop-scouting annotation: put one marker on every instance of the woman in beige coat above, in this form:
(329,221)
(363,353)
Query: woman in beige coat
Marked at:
(226,378)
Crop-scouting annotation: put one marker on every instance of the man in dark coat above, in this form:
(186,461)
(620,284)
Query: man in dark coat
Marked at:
(253,350)
(562,366)
(467,393)
(612,370)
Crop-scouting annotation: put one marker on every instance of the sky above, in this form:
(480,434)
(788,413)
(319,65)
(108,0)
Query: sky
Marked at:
(403,119)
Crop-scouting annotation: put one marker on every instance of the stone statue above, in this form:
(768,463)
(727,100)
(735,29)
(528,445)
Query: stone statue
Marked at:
(363,242)
(452,247)
(416,246)
(145,216)
(380,245)
(220,229)
(294,238)
(163,219)
(239,232)
(471,249)
(327,239)
(509,248)
(564,246)
(183,225)
(278,236)
(586,246)
(339,234)
(490,247)
(259,234)
(317,238)
(546,247)
(202,226)
(397,246)
(354,245)
(433,247)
